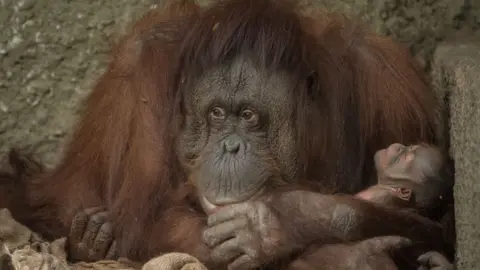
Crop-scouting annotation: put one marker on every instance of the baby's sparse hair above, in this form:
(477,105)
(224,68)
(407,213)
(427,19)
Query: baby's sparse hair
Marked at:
(436,192)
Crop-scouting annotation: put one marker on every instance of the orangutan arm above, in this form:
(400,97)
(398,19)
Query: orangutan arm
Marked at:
(184,228)
(342,218)
(260,232)
(91,236)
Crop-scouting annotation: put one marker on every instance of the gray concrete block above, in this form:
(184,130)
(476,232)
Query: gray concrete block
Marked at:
(456,73)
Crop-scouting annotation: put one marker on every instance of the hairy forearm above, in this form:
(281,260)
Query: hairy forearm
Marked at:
(181,231)
(340,218)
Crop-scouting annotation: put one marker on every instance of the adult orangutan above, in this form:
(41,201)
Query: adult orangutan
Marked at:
(223,132)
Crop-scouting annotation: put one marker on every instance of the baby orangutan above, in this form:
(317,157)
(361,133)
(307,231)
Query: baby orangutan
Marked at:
(414,177)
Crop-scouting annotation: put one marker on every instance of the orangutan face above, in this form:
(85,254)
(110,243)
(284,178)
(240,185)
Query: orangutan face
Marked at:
(415,162)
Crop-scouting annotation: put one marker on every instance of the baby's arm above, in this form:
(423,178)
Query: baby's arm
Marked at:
(387,195)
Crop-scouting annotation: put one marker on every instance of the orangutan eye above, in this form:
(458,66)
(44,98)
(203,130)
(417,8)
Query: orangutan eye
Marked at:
(249,116)
(217,113)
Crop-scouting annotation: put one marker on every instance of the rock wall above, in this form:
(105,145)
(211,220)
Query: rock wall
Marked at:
(456,74)
(52,51)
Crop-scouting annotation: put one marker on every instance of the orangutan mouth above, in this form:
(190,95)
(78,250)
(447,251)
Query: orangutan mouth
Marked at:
(211,208)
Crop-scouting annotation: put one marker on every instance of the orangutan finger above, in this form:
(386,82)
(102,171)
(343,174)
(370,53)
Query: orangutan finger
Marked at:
(77,228)
(221,232)
(112,251)
(227,251)
(243,262)
(102,242)
(228,213)
(93,227)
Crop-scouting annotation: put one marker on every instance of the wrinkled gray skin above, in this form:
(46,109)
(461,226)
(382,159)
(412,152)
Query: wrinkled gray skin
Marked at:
(228,142)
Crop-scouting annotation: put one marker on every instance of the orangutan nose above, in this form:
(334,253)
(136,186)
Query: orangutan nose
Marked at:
(233,144)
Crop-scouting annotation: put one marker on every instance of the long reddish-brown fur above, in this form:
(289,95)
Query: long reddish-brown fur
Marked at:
(367,92)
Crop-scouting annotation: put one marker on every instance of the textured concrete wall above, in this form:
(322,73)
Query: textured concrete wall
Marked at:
(456,71)
(52,51)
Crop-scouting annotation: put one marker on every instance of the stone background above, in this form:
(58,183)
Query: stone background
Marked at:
(51,51)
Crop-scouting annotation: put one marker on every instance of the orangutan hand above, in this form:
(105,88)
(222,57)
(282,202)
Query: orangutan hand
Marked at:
(245,236)
(91,236)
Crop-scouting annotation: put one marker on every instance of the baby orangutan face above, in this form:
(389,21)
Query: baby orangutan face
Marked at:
(413,163)
(409,176)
